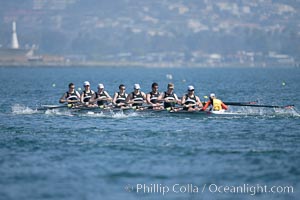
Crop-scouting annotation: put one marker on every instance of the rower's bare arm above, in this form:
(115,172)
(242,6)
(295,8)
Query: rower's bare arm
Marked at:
(128,99)
(183,99)
(148,99)
(108,97)
(78,95)
(177,100)
(93,98)
(81,98)
(115,98)
(78,98)
(63,98)
(199,103)
(144,97)
(161,97)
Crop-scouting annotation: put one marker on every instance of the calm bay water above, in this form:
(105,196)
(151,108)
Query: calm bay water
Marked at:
(60,155)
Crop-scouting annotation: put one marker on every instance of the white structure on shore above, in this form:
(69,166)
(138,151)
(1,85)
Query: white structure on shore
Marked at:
(16,54)
(14,39)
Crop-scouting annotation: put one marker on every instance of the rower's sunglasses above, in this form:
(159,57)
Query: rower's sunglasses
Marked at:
(87,86)
(191,90)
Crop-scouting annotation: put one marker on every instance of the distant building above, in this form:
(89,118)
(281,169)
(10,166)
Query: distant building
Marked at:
(15,54)
(14,40)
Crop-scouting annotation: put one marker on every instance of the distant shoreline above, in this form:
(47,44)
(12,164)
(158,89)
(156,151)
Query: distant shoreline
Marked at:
(147,65)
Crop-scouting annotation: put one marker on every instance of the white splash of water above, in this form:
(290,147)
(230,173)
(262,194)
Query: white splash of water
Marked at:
(22,110)
(57,112)
(94,114)
(247,111)
(121,115)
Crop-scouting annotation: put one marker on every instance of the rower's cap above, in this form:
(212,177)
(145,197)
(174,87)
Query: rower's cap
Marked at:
(137,86)
(190,87)
(212,95)
(100,86)
(85,83)
(170,85)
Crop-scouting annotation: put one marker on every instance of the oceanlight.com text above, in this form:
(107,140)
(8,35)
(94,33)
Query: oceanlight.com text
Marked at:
(164,189)
(249,189)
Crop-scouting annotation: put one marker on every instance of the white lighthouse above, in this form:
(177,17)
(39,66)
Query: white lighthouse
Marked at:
(14,39)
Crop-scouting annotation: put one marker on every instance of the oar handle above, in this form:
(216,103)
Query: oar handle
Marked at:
(170,101)
(132,102)
(147,106)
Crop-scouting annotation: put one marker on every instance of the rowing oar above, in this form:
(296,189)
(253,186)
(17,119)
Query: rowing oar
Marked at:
(254,104)
(49,107)
(240,103)
(265,106)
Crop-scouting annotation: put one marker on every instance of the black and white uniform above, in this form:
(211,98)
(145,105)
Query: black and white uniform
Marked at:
(189,100)
(102,94)
(121,98)
(153,97)
(169,97)
(72,96)
(87,96)
(137,97)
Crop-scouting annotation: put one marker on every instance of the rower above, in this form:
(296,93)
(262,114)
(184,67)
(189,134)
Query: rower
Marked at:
(170,98)
(215,104)
(152,97)
(136,98)
(101,97)
(120,97)
(191,101)
(87,93)
(71,96)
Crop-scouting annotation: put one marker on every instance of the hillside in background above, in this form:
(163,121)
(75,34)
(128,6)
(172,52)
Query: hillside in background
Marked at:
(158,31)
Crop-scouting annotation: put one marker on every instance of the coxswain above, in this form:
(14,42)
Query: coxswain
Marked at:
(169,98)
(119,99)
(87,93)
(136,98)
(190,101)
(101,97)
(215,104)
(71,97)
(152,98)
